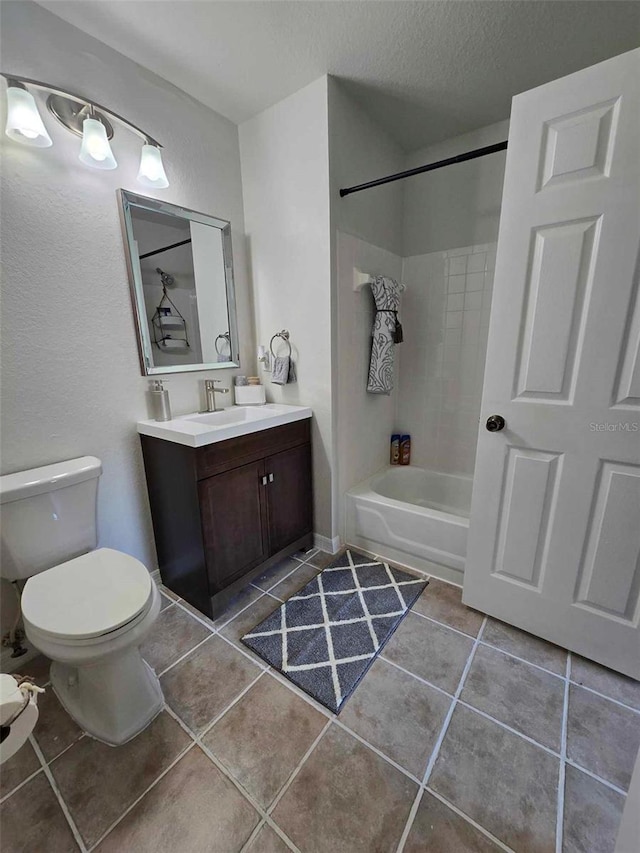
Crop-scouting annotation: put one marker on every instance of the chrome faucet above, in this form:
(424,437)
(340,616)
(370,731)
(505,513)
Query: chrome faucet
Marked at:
(210,392)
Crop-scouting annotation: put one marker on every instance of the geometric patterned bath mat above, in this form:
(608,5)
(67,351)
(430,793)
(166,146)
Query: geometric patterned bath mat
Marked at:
(326,636)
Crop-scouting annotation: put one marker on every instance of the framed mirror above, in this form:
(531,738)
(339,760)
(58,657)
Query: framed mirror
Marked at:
(181,276)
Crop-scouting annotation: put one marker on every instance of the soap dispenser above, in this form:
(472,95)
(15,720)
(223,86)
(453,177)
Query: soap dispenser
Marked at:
(161,409)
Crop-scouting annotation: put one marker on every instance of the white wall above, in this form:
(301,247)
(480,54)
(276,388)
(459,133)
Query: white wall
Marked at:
(366,231)
(360,151)
(71,377)
(285,174)
(458,205)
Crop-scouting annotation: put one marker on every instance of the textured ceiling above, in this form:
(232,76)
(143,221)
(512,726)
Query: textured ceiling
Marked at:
(424,70)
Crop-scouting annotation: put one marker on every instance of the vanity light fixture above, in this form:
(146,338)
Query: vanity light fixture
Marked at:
(24,122)
(83,118)
(151,172)
(95,150)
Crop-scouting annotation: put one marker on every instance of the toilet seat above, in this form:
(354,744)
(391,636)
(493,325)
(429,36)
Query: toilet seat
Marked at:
(96,595)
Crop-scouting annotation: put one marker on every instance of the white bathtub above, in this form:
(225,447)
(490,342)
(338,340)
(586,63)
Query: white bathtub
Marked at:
(412,516)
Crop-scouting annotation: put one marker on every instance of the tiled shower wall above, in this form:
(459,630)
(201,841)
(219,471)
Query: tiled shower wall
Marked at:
(445,313)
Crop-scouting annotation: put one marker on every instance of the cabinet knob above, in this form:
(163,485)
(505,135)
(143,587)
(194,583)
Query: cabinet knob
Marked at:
(263,480)
(271,478)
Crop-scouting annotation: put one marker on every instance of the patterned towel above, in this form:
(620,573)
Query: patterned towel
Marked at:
(386,332)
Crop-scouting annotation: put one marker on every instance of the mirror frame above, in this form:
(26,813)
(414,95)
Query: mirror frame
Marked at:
(145,346)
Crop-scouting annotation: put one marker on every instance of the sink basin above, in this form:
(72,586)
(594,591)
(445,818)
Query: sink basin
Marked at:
(234,415)
(199,429)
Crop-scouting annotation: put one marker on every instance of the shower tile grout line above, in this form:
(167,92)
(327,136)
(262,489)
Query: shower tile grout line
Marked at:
(58,795)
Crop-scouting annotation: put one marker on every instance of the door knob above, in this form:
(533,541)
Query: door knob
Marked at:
(495,423)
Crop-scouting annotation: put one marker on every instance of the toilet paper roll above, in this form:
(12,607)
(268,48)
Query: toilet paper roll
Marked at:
(23,725)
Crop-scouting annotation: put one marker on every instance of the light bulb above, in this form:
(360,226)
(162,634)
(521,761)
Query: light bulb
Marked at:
(151,172)
(24,123)
(95,150)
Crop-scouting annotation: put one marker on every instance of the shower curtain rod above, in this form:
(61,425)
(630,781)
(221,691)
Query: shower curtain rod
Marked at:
(164,249)
(398,176)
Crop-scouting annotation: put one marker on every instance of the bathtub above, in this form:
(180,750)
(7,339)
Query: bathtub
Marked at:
(412,516)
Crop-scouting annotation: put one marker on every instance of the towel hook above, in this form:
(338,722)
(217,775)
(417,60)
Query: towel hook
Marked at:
(284,334)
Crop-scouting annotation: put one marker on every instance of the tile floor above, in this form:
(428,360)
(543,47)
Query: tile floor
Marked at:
(465,735)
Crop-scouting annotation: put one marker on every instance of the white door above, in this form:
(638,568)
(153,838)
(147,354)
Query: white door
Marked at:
(554,539)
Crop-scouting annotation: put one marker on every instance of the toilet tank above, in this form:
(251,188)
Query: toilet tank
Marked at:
(48,516)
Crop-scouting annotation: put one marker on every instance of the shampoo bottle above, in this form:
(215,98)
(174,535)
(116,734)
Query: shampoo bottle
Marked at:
(405,450)
(395,450)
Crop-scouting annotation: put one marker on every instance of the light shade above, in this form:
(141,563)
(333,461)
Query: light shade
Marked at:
(23,119)
(151,172)
(95,150)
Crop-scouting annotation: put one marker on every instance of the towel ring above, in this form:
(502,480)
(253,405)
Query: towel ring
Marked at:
(285,337)
(224,337)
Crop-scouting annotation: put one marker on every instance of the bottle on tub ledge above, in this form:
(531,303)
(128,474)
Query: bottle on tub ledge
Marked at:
(405,450)
(394,458)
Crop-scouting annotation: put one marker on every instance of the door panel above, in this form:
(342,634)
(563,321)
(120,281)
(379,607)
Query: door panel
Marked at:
(233,511)
(289,493)
(554,543)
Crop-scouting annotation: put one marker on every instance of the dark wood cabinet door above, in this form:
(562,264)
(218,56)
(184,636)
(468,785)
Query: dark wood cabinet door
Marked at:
(289,495)
(234,523)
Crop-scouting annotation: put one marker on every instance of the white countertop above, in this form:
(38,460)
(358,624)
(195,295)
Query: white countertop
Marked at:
(199,429)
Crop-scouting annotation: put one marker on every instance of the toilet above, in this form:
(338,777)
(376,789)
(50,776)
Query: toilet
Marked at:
(87,610)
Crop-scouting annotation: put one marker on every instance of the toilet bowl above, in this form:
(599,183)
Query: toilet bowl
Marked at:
(88,610)
(90,615)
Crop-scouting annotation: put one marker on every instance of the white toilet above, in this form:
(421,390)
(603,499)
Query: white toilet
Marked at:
(88,610)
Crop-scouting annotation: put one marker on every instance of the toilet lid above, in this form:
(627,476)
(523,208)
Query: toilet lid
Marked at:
(88,596)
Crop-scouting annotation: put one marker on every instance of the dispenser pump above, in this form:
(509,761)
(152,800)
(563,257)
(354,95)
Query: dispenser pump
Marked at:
(161,408)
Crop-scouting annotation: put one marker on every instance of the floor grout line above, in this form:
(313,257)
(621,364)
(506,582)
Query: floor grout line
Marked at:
(417,677)
(240,695)
(454,702)
(265,813)
(441,624)
(439,740)
(54,785)
(203,620)
(252,837)
(263,665)
(563,758)
(130,808)
(235,615)
(182,657)
(600,779)
(20,784)
(377,751)
(604,696)
(413,811)
(509,728)
(297,769)
(470,820)
(496,648)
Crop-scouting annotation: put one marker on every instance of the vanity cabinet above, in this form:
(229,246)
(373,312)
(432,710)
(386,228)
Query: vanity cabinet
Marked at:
(224,512)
